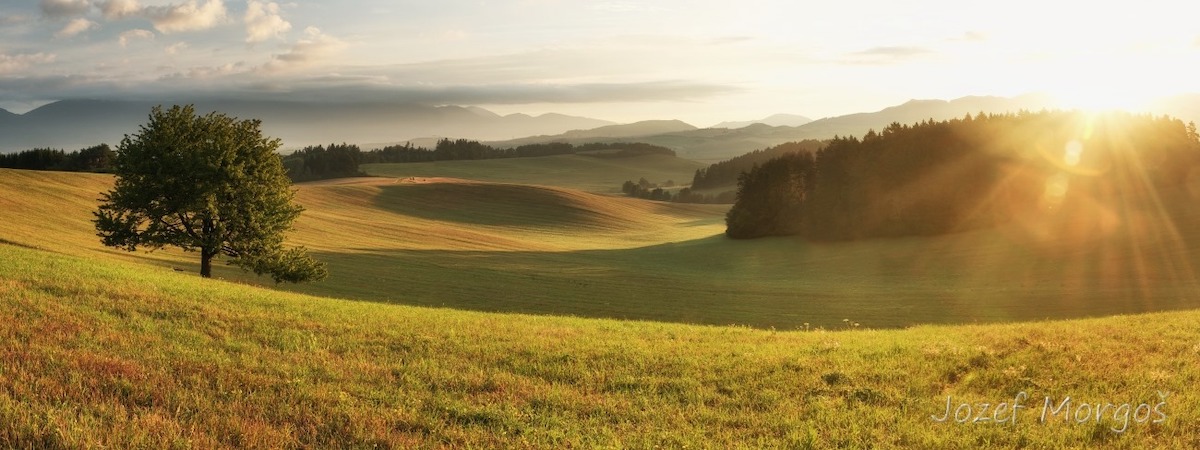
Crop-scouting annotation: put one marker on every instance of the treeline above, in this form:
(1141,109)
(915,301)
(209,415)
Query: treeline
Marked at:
(718,175)
(342,160)
(644,189)
(320,162)
(98,158)
(940,177)
(725,173)
(465,149)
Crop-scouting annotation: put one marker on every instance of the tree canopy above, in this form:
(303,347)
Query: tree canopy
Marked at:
(210,184)
(942,177)
(97,158)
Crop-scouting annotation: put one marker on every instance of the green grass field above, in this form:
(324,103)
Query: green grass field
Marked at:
(586,173)
(544,250)
(107,354)
(104,348)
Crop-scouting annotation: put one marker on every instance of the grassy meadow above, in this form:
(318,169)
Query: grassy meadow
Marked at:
(107,354)
(471,306)
(580,171)
(546,250)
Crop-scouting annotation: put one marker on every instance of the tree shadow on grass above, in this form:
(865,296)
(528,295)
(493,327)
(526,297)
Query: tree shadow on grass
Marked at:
(781,283)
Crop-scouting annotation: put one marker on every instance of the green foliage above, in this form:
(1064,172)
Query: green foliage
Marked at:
(719,175)
(940,177)
(727,172)
(211,184)
(320,163)
(98,158)
(771,198)
(466,150)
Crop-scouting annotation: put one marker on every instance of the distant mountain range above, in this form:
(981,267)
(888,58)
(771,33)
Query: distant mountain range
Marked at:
(719,143)
(777,120)
(74,124)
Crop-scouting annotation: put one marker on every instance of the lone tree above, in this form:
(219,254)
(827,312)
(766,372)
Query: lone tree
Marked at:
(211,184)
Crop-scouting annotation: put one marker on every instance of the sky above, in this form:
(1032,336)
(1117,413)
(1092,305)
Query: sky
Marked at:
(698,61)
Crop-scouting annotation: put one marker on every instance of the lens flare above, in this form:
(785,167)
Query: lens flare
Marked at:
(1074,153)
(1056,190)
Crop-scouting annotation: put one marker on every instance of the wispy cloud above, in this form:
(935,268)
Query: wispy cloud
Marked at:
(118,9)
(14,20)
(625,6)
(57,9)
(239,81)
(314,46)
(175,48)
(18,62)
(264,22)
(885,55)
(892,51)
(973,36)
(75,27)
(131,35)
(189,16)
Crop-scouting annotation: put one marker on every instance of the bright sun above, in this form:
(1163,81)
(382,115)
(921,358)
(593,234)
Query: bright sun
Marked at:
(1101,97)
(1097,82)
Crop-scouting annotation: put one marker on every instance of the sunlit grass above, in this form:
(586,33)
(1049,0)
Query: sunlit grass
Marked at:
(581,172)
(512,248)
(107,354)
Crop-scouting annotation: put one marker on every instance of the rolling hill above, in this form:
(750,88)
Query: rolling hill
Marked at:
(108,349)
(100,353)
(583,172)
(547,250)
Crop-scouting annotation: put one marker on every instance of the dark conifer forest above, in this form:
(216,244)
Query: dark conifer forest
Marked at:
(978,171)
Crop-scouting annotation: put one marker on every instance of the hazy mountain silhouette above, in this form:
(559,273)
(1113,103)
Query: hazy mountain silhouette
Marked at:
(74,124)
(714,144)
(776,120)
(624,132)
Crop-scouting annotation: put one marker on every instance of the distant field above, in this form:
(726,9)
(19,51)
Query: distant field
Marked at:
(514,248)
(106,354)
(581,172)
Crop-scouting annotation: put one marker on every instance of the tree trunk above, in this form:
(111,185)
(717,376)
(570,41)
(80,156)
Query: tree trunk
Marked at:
(206,257)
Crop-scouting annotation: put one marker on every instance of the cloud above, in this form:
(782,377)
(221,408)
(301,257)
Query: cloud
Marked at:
(625,7)
(205,72)
(974,36)
(313,46)
(129,36)
(238,81)
(175,48)
(15,63)
(119,9)
(189,16)
(375,89)
(892,51)
(64,8)
(75,27)
(13,20)
(885,55)
(264,22)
